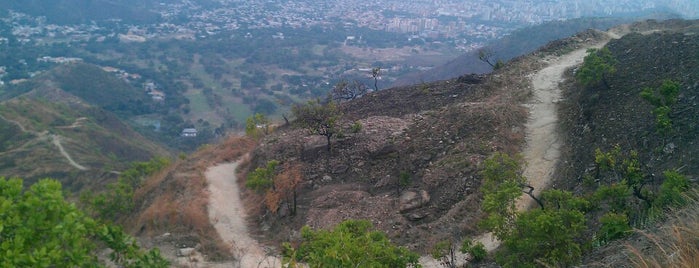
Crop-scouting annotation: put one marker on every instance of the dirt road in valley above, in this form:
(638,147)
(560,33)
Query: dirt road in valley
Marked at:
(227,214)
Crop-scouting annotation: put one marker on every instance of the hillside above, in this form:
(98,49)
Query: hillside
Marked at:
(53,133)
(519,42)
(598,117)
(604,117)
(436,135)
(409,159)
(84,11)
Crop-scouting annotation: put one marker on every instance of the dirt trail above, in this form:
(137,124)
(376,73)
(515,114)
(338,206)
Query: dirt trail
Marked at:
(227,214)
(543,143)
(55,139)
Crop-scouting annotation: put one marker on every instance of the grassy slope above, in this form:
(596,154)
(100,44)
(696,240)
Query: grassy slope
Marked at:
(92,136)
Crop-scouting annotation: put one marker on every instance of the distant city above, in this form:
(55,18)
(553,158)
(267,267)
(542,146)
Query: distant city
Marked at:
(449,19)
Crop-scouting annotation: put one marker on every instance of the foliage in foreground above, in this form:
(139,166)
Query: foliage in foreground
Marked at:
(351,243)
(118,200)
(38,228)
(554,234)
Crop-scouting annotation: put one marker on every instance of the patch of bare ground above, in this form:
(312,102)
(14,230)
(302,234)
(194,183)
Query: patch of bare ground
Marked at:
(172,206)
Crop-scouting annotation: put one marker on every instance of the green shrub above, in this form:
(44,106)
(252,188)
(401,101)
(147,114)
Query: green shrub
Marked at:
(351,243)
(614,226)
(356,127)
(262,179)
(597,66)
(672,190)
(476,250)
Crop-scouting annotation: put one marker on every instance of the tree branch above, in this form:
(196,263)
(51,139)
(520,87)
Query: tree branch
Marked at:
(531,194)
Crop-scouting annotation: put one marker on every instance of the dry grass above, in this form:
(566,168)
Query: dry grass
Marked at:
(154,180)
(176,199)
(675,244)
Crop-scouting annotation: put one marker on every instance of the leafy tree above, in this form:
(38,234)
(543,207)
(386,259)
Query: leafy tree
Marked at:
(502,185)
(663,99)
(476,250)
(597,66)
(346,90)
(256,126)
(38,228)
(351,243)
(319,119)
(550,234)
(262,178)
(544,236)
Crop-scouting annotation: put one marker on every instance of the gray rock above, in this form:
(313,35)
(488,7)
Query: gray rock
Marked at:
(326,179)
(410,200)
(417,216)
(185,252)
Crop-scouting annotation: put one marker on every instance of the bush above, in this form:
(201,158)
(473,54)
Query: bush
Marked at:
(597,66)
(614,226)
(356,127)
(672,191)
(477,250)
(262,179)
(351,243)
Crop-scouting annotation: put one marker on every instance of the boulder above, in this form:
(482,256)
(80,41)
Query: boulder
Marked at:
(410,200)
(185,252)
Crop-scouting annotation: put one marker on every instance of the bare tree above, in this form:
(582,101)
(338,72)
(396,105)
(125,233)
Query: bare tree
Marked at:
(488,56)
(318,118)
(346,90)
(376,73)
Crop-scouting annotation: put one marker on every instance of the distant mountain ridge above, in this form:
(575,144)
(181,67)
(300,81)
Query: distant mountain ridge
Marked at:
(519,42)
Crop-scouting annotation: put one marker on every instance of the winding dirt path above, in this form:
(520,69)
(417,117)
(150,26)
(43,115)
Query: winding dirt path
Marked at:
(55,139)
(542,150)
(543,143)
(227,214)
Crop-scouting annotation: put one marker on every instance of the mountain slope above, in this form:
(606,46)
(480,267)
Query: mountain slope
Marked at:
(600,117)
(435,135)
(413,166)
(52,133)
(517,43)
